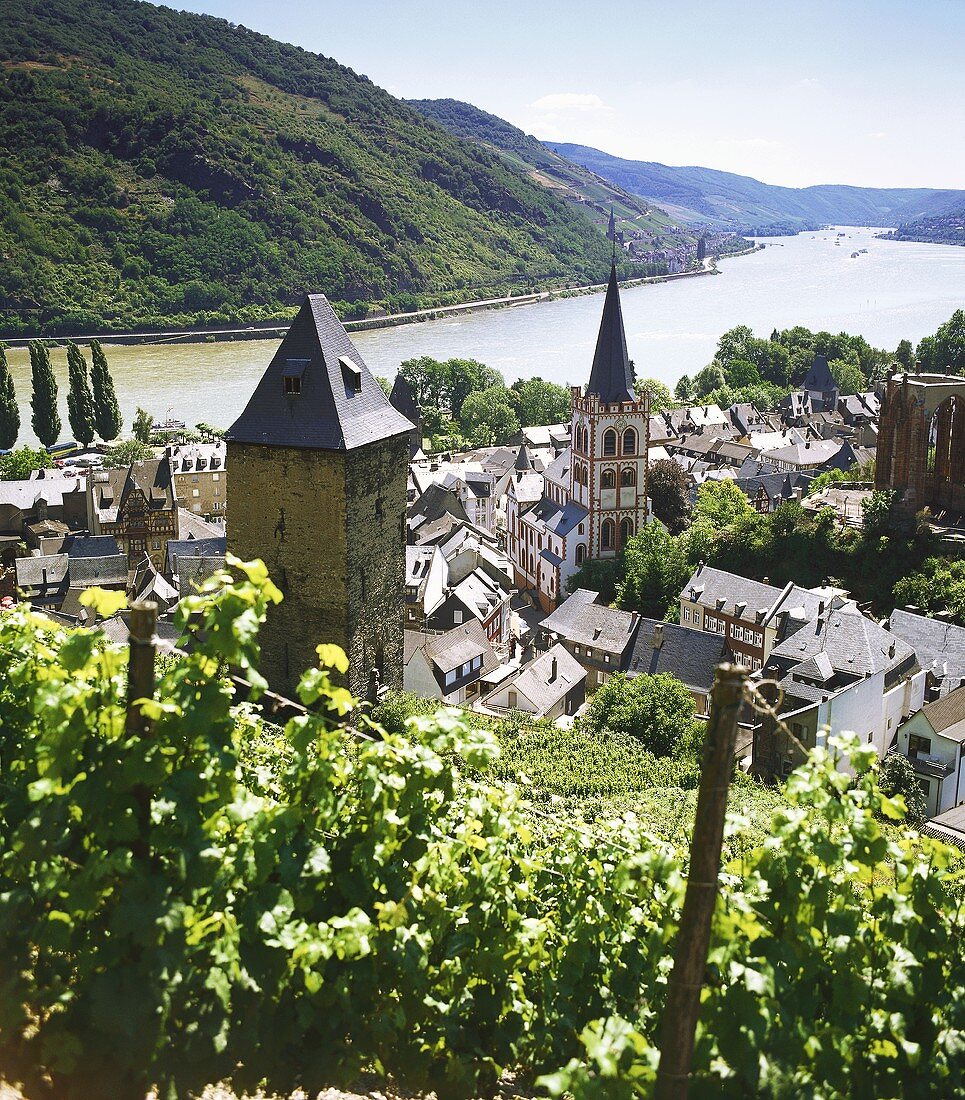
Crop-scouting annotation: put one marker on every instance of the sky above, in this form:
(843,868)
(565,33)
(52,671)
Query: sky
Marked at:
(794,92)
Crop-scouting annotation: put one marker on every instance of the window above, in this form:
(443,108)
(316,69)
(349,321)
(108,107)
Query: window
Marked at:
(601,677)
(686,614)
(580,529)
(580,553)
(467,668)
(157,544)
(606,658)
(196,507)
(450,678)
(293,384)
(512,700)
(457,617)
(917,744)
(630,441)
(194,479)
(606,534)
(626,531)
(217,492)
(195,492)
(607,479)
(628,476)
(609,442)
(216,477)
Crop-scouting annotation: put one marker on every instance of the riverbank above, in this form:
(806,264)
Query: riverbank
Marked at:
(270,331)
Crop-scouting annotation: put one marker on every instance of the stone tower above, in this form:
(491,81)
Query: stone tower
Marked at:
(610,432)
(319,460)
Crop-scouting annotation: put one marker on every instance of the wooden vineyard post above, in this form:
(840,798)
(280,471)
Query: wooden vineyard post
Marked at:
(140,685)
(693,938)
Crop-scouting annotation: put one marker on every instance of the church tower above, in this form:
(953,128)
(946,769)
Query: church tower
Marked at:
(319,460)
(610,433)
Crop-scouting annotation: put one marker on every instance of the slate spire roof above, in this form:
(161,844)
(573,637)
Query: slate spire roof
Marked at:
(819,378)
(610,377)
(523,461)
(317,392)
(611,229)
(402,399)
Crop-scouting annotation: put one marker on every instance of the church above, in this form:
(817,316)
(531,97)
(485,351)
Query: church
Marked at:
(593,497)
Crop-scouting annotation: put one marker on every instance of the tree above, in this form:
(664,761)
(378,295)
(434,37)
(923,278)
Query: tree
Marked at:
(654,573)
(9,412)
(539,402)
(722,502)
(21,463)
(603,575)
(660,396)
(488,416)
(878,513)
(143,422)
(944,353)
(131,450)
(657,710)
(684,390)
(905,355)
(107,412)
(80,403)
(848,376)
(467,376)
(668,489)
(43,401)
(710,378)
(897,776)
(938,586)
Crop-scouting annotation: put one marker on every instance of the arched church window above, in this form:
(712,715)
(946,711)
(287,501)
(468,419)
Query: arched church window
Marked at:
(626,531)
(607,479)
(580,553)
(628,476)
(630,441)
(609,442)
(606,534)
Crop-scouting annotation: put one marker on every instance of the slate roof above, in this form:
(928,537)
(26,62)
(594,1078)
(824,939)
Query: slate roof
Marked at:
(90,546)
(340,405)
(37,572)
(88,572)
(453,649)
(610,377)
(109,489)
(187,458)
(435,502)
(581,620)
(689,654)
(402,399)
(523,461)
(535,684)
(940,646)
(819,378)
(716,588)
(947,715)
(814,452)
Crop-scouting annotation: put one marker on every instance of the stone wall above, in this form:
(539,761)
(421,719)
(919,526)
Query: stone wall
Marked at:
(328,524)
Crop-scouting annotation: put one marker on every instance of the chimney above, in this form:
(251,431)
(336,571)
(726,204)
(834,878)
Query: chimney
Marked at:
(658,636)
(552,670)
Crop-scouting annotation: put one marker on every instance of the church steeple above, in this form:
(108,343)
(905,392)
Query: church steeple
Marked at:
(610,378)
(611,229)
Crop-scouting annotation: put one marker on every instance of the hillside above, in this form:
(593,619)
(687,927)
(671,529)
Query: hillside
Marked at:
(947,228)
(542,165)
(740,202)
(168,168)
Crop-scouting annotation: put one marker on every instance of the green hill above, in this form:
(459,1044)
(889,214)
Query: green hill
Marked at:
(746,204)
(166,168)
(947,228)
(578,185)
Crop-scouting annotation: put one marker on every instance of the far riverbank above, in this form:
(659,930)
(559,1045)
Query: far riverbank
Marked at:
(270,331)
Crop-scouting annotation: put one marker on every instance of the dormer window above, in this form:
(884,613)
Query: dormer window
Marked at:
(351,375)
(292,374)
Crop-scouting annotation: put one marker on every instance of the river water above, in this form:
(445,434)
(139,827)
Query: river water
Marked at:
(896,290)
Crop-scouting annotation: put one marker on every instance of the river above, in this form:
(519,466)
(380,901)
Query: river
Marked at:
(896,290)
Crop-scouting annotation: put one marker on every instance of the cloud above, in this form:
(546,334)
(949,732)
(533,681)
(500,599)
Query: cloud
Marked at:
(569,101)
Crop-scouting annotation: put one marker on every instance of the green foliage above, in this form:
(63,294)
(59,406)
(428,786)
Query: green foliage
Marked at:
(9,411)
(43,401)
(657,710)
(209,433)
(848,376)
(175,169)
(825,480)
(721,503)
(603,575)
(107,412)
(937,586)
(669,491)
(488,417)
(80,402)
(225,901)
(21,463)
(896,776)
(660,396)
(131,450)
(142,425)
(878,512)
(944,353)
(875,963)
(655,568)
(539,402)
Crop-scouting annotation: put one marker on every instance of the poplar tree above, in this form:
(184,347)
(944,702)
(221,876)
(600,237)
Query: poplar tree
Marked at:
(107,413)
(9,413)
(80,402)
(43,402)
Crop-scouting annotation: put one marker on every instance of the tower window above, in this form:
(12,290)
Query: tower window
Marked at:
(293,385)
(580,553)
(626,531)
(606,534)
(609,442)
(628,476)
(292,373)
(630,441)
(351,375)
(607,479)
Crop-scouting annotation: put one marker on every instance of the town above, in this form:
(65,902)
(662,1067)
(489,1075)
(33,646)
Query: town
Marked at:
(461,577)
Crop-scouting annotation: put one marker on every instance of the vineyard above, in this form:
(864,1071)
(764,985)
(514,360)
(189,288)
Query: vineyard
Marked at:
(212,899)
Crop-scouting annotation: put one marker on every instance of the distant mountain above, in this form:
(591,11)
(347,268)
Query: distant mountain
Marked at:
(168,168)
(571,181)
(740,202)
(948,228)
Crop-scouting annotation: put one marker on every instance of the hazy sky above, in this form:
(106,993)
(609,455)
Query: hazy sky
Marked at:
(789,91)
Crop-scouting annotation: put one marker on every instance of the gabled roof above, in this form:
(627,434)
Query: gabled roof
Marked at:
(610,377)
(582,620)
(683,651)
(339,405)
(549,678)
(947,715)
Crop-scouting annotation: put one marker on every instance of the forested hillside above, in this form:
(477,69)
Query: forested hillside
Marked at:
(947,228)
(167,168)
(744,203)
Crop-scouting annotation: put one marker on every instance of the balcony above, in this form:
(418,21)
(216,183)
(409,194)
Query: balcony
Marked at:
(932,766)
